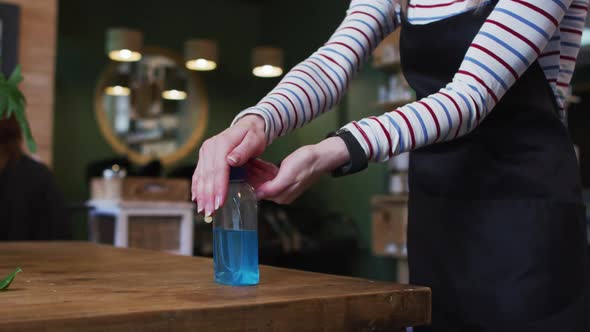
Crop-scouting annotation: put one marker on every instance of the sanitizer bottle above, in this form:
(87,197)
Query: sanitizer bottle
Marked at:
(235,234)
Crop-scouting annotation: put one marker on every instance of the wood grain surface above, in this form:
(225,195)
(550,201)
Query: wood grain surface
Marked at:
(87,287)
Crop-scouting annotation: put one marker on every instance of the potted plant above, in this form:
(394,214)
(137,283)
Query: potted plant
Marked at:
(13,103)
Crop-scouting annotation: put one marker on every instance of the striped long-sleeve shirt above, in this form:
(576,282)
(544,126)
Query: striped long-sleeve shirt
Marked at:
(515,34)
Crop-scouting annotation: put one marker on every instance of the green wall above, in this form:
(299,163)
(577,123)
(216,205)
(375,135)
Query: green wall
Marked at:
(81,58)
(237,26)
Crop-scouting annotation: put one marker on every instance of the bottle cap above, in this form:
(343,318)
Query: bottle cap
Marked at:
(237,173)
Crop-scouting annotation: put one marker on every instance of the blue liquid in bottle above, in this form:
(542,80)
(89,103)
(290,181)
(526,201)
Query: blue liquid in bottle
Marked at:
(235,236)
(236,262)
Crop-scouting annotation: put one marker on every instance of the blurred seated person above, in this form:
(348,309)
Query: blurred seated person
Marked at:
(31,207)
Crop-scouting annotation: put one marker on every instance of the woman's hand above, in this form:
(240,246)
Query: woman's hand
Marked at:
(298,171)
(232,147)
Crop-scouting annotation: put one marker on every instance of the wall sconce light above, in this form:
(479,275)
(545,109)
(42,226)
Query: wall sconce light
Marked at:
(174,86)
(124,44)
(267,61)
(200,54)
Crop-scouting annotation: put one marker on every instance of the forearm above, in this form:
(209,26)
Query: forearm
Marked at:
(317,84)
(481,81)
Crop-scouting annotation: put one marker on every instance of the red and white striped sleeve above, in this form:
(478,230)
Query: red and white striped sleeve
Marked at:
(512,37)
(570,33)
(317,84)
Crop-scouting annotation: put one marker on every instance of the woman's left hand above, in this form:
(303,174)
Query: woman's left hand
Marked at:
(297,172)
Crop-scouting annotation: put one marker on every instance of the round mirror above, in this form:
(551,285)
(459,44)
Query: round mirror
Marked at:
(151,109)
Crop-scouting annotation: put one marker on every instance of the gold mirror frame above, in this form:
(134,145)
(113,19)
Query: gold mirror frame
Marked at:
(201,102)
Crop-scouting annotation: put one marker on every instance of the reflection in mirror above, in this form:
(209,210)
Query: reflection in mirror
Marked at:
(151,109)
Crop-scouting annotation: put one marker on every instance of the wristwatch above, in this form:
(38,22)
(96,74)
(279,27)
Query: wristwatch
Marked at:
(358,159)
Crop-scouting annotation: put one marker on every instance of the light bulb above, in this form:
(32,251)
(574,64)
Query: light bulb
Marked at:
(125,55)
(117,90)
(267,71)
(174,94)
(201,65)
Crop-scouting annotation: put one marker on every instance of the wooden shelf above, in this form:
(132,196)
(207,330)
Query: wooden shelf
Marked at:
(391,105)
(389,221)
(388,67)
(389,198)
(574,99)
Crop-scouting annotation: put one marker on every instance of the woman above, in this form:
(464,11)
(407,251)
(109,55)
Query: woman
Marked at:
(496,220)
(31,207)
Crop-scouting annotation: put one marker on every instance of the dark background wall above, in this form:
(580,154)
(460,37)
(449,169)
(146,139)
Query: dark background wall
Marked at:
(579,114)
(237,26)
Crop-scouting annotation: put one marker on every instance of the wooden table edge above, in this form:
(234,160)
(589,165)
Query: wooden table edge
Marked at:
(188,315)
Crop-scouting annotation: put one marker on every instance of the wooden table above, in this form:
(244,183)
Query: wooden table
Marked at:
(88,287)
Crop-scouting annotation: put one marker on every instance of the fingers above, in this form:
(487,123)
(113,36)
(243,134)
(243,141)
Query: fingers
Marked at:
(194,181)
(199,190)
(256,179)
(296,174)
(248,148)
(210,179)
(196,185)
(263,166)
(260,172)
(218,175)
(276,186)
(221,173)
(288,195)
(213,175)
(208,175)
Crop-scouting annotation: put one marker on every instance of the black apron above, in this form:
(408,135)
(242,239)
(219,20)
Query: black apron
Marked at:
(496,220)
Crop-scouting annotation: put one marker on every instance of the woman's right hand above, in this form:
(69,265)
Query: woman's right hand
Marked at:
(233,147)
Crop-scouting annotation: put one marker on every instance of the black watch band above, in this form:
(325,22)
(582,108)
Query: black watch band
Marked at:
(358,159)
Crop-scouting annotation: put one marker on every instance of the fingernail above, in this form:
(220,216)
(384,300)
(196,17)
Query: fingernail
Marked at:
(208,210)
(199,208)
(217,202)
(233,158)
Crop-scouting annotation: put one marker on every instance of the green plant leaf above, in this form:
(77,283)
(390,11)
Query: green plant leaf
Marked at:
(4,283)
(11,107)
(16,77)
(24,125)
(13,102)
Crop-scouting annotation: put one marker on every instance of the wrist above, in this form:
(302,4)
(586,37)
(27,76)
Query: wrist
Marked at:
(252,120)
(330,154)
